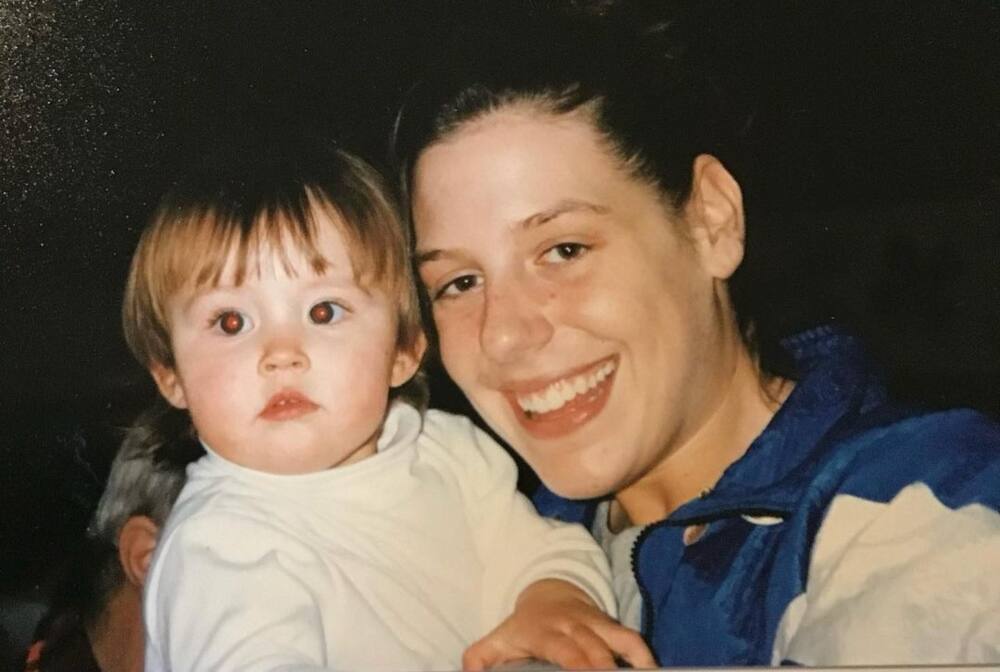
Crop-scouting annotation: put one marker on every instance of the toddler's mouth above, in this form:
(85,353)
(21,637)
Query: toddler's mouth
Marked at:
(287,405)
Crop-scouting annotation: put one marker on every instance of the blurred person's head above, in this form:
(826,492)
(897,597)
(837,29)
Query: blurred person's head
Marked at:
(100,608)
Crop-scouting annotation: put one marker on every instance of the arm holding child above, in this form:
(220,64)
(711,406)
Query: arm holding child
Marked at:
(556,621)
(547,592)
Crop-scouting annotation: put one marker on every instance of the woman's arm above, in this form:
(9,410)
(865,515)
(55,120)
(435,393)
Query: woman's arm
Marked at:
(547,591)
(907,581)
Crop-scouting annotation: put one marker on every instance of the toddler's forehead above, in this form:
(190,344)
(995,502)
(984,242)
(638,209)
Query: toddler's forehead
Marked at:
(327,255)
(216,251)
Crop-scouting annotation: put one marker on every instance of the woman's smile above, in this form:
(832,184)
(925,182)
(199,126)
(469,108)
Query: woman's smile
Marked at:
(561,405)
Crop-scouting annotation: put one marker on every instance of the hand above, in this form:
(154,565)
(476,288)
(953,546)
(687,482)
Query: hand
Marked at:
(554,620)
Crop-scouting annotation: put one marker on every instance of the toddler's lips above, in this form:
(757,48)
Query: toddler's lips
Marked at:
(287,405)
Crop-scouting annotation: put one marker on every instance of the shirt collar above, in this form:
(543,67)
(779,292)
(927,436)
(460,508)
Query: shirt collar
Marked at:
(400,428)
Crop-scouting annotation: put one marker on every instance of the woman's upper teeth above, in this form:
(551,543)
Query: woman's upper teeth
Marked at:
(557,394)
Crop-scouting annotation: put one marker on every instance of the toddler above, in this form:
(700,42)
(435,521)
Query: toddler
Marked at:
(331,523)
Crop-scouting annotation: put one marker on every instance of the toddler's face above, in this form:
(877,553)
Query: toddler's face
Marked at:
(288,372)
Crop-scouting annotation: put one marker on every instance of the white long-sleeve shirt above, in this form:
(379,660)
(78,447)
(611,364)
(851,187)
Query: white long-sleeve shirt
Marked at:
(396,562)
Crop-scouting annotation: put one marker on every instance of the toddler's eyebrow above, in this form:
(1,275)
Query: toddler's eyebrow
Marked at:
(345,283)
(203,294)
(529,222)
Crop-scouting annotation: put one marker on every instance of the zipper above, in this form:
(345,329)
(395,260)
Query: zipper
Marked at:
(646,620)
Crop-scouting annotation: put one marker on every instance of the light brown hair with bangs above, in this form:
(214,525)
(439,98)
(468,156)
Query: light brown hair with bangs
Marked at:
(218,213)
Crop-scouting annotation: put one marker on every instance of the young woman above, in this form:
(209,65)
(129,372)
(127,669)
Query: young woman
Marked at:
(576,235)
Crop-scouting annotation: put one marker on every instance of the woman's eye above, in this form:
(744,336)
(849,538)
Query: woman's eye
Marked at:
(459,285)
(326,312)
(232,322)
(564,252)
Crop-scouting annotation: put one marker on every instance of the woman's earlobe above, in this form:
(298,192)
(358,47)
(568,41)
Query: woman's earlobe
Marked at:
(715,215)
(136,543)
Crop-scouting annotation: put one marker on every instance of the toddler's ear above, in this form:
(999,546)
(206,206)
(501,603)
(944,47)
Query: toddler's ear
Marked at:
(169,384)
(408,361)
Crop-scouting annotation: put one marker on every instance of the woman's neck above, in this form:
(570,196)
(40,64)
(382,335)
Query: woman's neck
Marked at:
(745,406)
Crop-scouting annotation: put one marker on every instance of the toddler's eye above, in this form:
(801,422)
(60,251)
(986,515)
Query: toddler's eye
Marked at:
(564,252)
(232,322)
(326,312)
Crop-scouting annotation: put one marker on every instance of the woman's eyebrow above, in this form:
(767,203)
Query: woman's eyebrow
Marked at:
(424,256)
(529,222)
(559,209)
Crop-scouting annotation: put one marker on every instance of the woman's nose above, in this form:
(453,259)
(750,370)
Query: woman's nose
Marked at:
(283,354)
(513,324)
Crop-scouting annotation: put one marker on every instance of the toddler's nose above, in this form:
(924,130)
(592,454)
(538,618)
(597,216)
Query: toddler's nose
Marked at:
(283,355)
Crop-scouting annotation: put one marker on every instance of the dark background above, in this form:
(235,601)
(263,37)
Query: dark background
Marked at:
(873,188)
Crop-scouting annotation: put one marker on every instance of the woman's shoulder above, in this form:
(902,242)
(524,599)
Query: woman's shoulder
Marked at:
(951,435)
(954,453)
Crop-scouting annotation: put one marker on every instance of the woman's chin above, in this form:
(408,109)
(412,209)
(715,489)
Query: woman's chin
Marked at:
(575,485)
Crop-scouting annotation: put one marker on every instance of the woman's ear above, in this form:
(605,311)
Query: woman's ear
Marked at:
(169,384)
(714,214)
(136,543)
(408,361)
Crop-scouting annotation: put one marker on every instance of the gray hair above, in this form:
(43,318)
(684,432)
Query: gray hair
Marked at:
(146,477)
(148,472)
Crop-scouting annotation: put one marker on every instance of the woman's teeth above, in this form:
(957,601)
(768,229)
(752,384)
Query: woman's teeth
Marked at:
(561,392)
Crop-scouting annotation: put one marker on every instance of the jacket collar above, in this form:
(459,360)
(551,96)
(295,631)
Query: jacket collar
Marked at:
(836,381)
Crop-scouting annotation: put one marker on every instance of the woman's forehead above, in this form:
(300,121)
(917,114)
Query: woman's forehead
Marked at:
(523,117)
(514,166)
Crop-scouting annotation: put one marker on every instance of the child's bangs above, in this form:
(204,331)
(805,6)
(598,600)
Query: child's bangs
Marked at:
(368,235)
(207,243)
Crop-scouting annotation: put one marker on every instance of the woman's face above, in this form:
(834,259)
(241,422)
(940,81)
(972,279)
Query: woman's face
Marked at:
(573,308)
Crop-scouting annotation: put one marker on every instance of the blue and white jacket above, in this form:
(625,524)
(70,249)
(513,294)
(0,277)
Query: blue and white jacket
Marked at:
(851,532)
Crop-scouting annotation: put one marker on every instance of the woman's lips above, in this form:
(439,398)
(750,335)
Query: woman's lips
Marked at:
(563,405)
(287,405)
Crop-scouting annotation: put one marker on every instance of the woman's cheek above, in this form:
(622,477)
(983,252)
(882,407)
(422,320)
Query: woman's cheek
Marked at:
(458,332)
